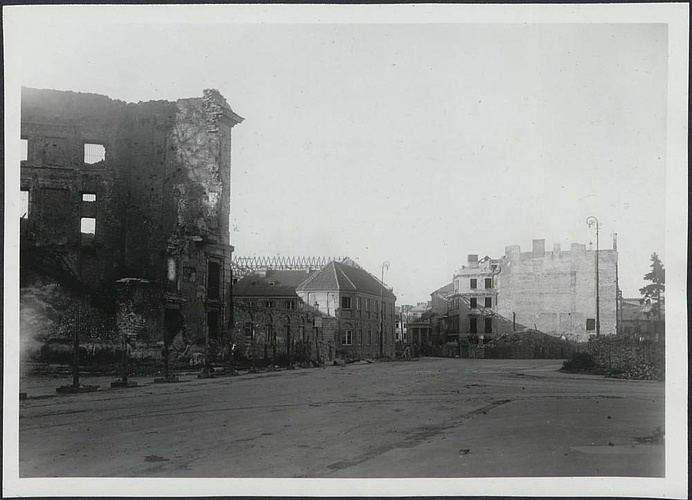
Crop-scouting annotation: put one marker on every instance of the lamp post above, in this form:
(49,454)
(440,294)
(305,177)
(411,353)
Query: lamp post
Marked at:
(384,264)
(593,221)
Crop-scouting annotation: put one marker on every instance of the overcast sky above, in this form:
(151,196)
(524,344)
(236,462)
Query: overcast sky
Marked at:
(415,144)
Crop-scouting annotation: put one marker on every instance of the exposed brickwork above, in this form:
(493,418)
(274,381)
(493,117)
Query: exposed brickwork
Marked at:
(161,209)
(555,292)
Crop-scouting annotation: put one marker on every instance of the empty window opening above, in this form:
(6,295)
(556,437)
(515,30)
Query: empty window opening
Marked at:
(473,302)
(24,149)
(488,325)
(488,302)
(473,325)
(24,204)
(488,283)
(213,324)
(213,280)
(88,196)
(94,153)
(88,225)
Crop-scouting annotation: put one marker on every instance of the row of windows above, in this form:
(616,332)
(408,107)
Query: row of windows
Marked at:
(473,302)
(474,283)
(346,303)
(93,152)
(24,203)
(347,338)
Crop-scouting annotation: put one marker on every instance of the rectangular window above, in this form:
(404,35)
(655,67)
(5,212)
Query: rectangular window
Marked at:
(213,280)
(474,283)
(290,305)
(347,338)
(358,303)
(360,337)
(88,225)
(473,325)
(89,197)
(269,304)
(345,302)
(24,150)
(367,305)
(488,302)
(473,302)
(377,308)
(213,326)
(24,204)
(590,324)
(369,337)
(488,325)
(488,283)
(94,153)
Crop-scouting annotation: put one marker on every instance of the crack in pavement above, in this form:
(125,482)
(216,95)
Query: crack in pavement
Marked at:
(415,438)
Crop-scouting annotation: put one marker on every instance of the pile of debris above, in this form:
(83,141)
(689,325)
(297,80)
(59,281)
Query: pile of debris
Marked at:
(530,344)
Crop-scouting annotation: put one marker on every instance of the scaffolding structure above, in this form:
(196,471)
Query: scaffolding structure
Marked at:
(242,266)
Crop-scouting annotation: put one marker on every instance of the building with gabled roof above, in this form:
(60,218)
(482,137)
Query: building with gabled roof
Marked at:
(273,325)
(362,305)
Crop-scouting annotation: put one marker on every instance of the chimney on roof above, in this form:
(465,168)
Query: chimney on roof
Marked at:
(615,241)
(538,248)
(473,260)
(512,251)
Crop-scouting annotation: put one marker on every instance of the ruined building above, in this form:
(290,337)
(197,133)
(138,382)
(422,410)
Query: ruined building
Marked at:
(129,203)
(555,291)
(550,291)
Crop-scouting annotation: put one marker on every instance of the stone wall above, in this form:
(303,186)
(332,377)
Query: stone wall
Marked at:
(555,292)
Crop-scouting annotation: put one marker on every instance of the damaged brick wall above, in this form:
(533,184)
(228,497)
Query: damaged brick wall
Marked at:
(262,334)
(555,292)
(161,192)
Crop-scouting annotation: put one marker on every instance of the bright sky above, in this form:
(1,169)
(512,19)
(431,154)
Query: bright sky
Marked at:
(415,144)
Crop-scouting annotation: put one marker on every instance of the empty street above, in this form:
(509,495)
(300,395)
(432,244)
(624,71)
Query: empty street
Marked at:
(435,417)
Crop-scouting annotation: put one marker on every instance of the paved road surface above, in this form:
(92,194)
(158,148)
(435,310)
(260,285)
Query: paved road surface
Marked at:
(427,418)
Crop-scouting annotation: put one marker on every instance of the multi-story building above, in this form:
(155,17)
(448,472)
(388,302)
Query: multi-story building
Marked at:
(362,305)
(474,299)
(273,323)
(129,203)
(555,292)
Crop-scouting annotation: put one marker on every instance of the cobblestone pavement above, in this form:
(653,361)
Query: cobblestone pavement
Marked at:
(431,417)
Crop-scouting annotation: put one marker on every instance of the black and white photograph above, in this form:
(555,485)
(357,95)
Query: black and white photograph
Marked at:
(346,250)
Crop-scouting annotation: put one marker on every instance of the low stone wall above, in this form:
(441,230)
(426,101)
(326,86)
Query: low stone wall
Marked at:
(629,358)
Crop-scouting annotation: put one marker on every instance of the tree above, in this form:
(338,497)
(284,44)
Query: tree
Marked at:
(654,290)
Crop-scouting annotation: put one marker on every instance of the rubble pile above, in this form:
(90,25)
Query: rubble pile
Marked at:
(530,344)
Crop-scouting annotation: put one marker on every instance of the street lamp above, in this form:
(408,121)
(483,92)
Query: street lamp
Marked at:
(593,221)
(384,264)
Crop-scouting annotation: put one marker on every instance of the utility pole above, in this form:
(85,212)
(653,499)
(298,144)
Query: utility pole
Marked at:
(384,264)
(593,221)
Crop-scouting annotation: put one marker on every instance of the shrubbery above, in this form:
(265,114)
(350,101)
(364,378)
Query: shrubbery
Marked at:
(580,362)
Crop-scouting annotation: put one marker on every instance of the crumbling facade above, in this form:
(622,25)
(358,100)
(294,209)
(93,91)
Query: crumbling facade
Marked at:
(130,203)
(274,326)
(555,291)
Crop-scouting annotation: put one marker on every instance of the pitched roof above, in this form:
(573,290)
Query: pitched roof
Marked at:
(445,290)
(273,284)
(345,276)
